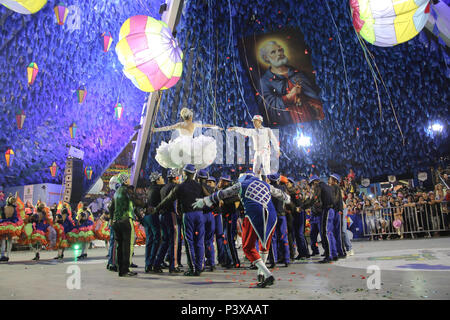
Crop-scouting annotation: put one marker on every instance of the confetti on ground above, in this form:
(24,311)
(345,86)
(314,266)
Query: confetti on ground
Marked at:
(290,280)
(291,272)
(318,274)
(362,277)
(353,275)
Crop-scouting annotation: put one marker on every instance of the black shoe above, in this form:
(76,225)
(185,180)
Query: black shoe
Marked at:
(335,258)
(36,258)
(322,255)
(325,260)
(192,273)
(267,282)
(180,265)
(315,254)
(253,267)
(148,269)
(342,256)
(55,258)
(113,268)
(272,265)
(157,270)
(4,259)
(175,270)
(128,274)
(61,256)
(260,278)
(132,265)
(210,268)
(286,264)
(164,265)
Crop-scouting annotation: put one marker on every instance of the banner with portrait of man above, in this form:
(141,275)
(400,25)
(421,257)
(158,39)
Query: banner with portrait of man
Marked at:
(280,71)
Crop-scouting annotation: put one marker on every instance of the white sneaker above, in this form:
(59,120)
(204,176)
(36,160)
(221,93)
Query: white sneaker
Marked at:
(350,253)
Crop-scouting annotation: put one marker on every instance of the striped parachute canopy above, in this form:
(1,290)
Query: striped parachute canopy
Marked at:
(386,23)
(150,55)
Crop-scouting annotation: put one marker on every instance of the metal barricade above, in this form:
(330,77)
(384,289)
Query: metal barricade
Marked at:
(406,219)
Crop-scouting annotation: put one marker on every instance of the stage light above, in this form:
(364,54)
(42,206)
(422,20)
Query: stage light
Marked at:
(437,127)
(304,141)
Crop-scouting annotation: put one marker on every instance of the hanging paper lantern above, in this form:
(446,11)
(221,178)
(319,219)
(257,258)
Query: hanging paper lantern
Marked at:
(61,12)
(24,6)
(32,71)
(150,55)
(88,172)
(386,23)
(107,41)
(81,94)
(20,118)
(118,111)
(73,129)
(53,169)
(9,156)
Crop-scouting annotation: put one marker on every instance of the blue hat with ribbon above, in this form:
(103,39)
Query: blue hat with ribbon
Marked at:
(313,178)
(154,176)
(291,180)
(226,177)
(171,174)
(189,168)
(273,177)
(211,178)
(336,176)
(202,174)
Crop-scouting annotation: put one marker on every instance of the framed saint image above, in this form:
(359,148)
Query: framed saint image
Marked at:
(280,71)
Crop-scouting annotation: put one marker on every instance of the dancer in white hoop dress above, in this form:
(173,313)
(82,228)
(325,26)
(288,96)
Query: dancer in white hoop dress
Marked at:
(200,151)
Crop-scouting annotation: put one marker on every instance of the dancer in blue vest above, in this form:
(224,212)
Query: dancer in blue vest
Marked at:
(218,230)
(169,228)
(333,181)
(324,194)
(260,218)
(193,220)
(210,223)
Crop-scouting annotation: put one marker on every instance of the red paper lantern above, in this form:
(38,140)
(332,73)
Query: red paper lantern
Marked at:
(20,118)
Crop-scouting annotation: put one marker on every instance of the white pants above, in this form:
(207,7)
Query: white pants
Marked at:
(262,158)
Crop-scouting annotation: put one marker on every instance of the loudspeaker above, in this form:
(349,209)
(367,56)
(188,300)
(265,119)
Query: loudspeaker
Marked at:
(73,180)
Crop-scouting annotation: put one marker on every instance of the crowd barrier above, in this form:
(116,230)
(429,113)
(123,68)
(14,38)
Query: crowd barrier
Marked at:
(419,218)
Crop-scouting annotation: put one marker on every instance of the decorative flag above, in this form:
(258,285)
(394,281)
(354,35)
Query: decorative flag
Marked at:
(24,6)
(32,71)
(20,118)
(81,94)
(9,156)
(150,55)
(53,169)
(118,111)
(107,41)
(73,129)
(88,172)
(61,12)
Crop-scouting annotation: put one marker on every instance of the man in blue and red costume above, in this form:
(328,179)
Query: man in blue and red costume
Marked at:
(259,221)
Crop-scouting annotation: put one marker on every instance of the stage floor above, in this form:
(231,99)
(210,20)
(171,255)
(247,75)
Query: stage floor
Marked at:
(409,269)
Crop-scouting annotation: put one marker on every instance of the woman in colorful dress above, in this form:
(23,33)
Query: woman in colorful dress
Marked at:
(11,225)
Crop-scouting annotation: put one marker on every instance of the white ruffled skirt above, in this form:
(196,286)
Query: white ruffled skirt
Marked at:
(200,151)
